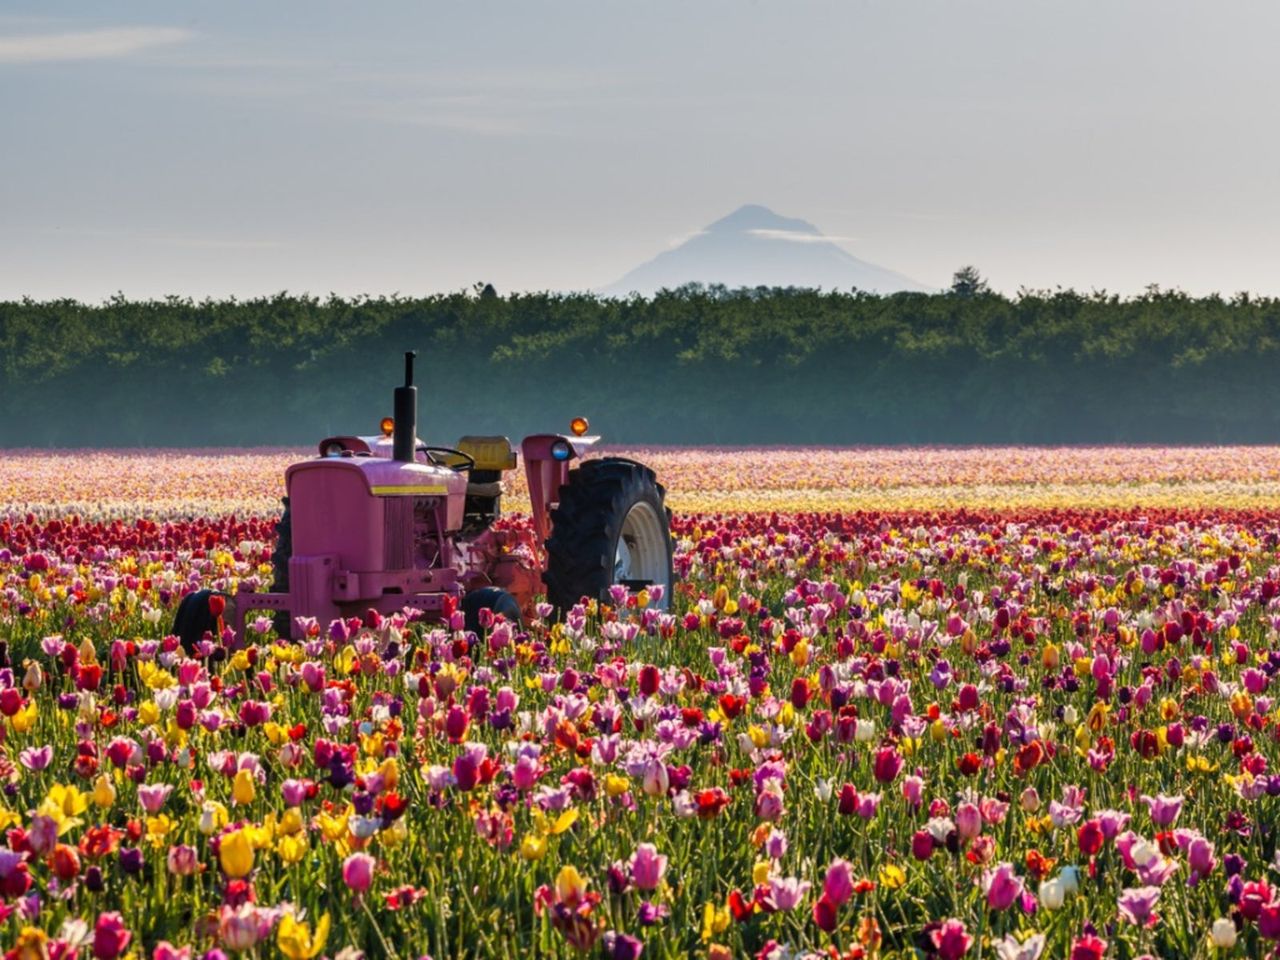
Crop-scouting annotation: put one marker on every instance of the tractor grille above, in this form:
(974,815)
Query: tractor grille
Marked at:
(398,533)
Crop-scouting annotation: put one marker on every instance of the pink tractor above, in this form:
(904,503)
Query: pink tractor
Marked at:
(387,522)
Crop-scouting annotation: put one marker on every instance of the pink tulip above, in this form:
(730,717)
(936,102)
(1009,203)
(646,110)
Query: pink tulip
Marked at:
(313,675)
(913,791)
(838,885)
(968,821)
(42,834)
(357,872)
(153,795)
(647,867)
(656,780)
(1002,886)
(110,936)
(525,772)
(887,764)
(951,940)
(868,804)
(1201,859)
(182,860)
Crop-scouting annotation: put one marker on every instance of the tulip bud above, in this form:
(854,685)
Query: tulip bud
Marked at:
(243,789)
(104,791)
(1223,934)
(656,779)
(34,678)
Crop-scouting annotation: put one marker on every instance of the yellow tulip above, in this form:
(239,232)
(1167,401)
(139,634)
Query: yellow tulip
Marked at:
(334,828)
(714,920)
(292,848)
(69,799)
(571,886)
(158,828)
(892,877)
(397,833)
(25,718)
(243,789)
(32,944)
(236,854)
(295,939)
(760,872)
(533,846)
(291,822)
(390,770)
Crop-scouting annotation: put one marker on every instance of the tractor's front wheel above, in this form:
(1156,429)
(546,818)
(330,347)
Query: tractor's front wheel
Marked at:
(610,527)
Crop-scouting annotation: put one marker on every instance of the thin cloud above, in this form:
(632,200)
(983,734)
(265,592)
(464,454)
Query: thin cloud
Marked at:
(799,236)
(164,239)
(109,43)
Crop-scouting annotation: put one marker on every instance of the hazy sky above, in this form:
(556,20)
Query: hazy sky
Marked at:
(248,147)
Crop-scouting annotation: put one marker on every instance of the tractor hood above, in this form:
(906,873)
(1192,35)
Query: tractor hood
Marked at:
(385,477)
(363,510)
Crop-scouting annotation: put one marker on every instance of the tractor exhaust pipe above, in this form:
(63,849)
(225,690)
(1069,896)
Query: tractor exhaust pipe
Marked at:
(405,438)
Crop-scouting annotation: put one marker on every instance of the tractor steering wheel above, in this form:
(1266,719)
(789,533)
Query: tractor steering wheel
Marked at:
(468,464)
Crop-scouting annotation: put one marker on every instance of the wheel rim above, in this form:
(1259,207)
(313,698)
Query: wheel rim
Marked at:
(641,557)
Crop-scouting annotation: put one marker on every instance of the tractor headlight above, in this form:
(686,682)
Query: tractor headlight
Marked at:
(333,449)
(560,450)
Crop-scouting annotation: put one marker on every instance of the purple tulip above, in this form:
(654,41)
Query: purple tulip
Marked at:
(787,893)
(36,758)
(1164,810)
(622,946)
(1137,904)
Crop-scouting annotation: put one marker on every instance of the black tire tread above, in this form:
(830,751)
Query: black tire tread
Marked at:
(586,523)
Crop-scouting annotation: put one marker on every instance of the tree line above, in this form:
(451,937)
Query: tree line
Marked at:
(694,365)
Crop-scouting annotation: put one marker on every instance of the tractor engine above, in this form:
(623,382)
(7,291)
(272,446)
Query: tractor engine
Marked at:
(378,526)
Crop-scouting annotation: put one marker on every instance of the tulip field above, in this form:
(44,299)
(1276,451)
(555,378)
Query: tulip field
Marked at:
(1000,703)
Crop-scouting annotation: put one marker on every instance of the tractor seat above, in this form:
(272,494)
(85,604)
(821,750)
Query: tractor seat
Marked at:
(491,454)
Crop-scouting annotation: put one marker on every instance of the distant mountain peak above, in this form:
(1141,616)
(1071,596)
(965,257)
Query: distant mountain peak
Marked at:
(754,246)
(753,216)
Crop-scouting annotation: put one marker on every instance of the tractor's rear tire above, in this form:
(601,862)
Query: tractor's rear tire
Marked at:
(280,568)
(611,526)
(488,598)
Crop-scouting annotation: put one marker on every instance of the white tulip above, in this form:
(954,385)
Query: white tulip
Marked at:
(1052,894)
(1223,933)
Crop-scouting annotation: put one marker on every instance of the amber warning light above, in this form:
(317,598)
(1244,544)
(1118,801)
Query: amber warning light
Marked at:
(388,426)
(579,426)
